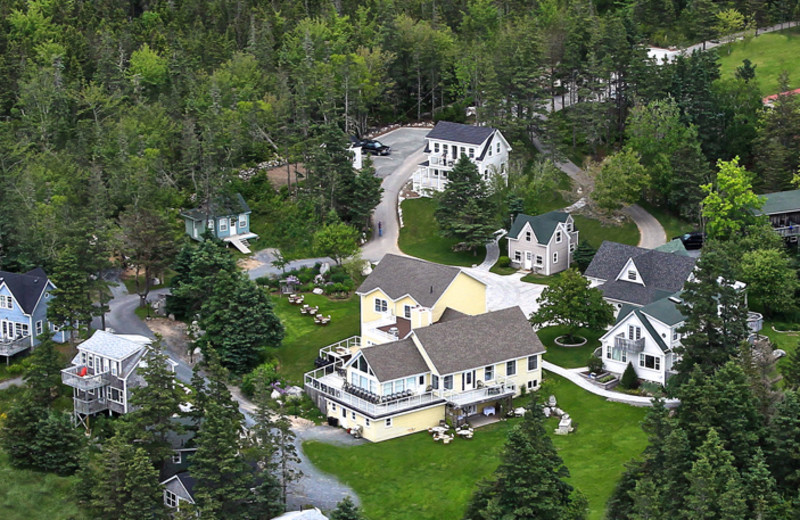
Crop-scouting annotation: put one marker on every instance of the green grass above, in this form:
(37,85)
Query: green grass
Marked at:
(783,340)
(594,232)
(541,279)
(420,236)
(673,225)
(413,477)
(568,357)
(304,338)
(772,53)
(503,271)
(130,282)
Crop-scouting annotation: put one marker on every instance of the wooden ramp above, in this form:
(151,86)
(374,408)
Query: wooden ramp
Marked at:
(238,244)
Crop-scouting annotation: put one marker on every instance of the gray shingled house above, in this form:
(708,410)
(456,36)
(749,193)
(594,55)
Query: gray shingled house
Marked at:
(542,243)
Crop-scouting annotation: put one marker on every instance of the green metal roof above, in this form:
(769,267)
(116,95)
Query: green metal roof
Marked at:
(665,310)
(542,225)
(652,331)
(780,202)
(221,206)
(673,246)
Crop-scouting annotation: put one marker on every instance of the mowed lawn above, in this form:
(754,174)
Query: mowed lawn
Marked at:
(594,232)
(568,357)
(772,53)
(413,477)
(420,236)
(304,338)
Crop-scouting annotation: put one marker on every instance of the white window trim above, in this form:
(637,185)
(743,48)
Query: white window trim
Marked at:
(170,499)
(509,364)
(223,224)
(534,369)
(558,237)
(388,422)
(555,257)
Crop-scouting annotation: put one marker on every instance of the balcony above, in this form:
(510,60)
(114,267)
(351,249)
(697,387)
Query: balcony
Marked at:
(496,390)
(787,231)
(329,382)
(88,407)
(341,349)
(11,346)
(755,322)
(70,377)
(633,346)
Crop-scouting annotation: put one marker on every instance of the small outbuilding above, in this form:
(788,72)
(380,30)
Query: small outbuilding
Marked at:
(227,217)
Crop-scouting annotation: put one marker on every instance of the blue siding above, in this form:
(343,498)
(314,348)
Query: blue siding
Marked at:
(219,223)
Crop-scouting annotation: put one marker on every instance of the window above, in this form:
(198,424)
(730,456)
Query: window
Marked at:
(517,256)
(435,147)
(511,368)
(618,354)
(333,406)
(115,394)
(490,151)
(498,147)
(558,237)
(170,499)
(47,295)
(407,311)
(400,385)
(366,421)
(675,335)
(223,224)
(608,352)
(387,388)
(353,415)
(389,422)
(472,153)
(539,259)
(532,384)
(634,332)
(233,224)
(39,328)
(488,373)
(54,327)
(434,381)
(632,275)
(463,151)
(528,236)
(421,380)
(444,150)
(91,361)
(83,358)
(533,363)
(651,362)
(448,382)
(569,226)
(176,458)
(210,223)
(6,302)
(344,412)
(114,368)
(555,257)
(381,305)
(242,221)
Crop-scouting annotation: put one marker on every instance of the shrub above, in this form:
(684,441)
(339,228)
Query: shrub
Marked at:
(266,372)
(629,379)
(263,280)
(594,364)
(306,275)
(307,287)
(339,277)
(503,261)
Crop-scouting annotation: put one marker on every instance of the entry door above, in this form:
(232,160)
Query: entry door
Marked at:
(232,227)
(7,329)
(468,380)
(528,260)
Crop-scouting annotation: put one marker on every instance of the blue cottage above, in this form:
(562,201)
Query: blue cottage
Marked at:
(226,217)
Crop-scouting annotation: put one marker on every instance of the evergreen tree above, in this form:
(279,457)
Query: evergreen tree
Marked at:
(56,446)
(761,491)
(629,378)
(583,255)
(19,428)
(463,209)
(716,317)
(71,306)
(43,375)
(153,405)
(715,488)
(196,268)
(362,196)
(238,321)
(790,369)
(346,509)
(528,483)
(784,444)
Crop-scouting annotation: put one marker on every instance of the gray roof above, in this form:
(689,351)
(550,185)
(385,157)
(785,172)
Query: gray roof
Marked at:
(222,206)
(543,225)
(469,134)
(662,273)
(26,288)
(476,341)
(112,346)
(394,360)
(450,315)
(400,275)
(665,310)
(780,202)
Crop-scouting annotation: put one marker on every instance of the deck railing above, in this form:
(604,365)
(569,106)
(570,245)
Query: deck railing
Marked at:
(631,345)
(342,348)
(11,346)
(88,407)
(70,377)
(787,231)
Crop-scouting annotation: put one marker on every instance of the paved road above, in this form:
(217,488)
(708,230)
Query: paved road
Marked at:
(572,374)
(651,232)
(407,145)
(17,381)
(267,256)
(508,291)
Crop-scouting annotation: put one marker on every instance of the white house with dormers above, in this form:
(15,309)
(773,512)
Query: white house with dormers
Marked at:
(24,298)
(447,142)
(542,243)
(646,337)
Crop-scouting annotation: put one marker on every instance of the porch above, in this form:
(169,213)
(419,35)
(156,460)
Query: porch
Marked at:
(78,377)
(11,346)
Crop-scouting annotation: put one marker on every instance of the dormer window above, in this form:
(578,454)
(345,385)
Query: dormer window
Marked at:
(176,458)
(558,237)
(632,275)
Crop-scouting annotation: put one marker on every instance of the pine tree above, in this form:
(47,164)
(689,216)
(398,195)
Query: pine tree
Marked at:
(464,209)
(153,405)
(346,509)
(142,489)
(19,428)
(784,444)
(43,376)
(239,322)
(56,447)
(529,482)
(71,307)
(761,492)
(715,488)
(629,378)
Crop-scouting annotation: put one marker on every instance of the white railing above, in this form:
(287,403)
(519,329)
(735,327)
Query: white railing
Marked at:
(345,347)
(498,387)
(787,231)
(70,377)
(755,321)
(313,380)
(11,346)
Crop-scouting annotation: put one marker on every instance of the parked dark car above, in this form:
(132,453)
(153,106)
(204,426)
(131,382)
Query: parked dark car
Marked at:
(693,239)
(375,147)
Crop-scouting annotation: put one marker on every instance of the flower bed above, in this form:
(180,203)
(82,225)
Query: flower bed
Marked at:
(605,380)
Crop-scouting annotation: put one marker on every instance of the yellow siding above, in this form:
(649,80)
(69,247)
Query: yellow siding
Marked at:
(405,424)
(368,306)
(523,376)
(465,295)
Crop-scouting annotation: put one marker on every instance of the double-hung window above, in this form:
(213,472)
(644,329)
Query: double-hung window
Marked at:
(632,275)
(634,332)
(434,381)
(448,382)
(533,363)
(223,224)
(407,311)
(488,373)
(528,236)
(555,257)
(511,368)
(242,221)
(558,237)
(381,305)
(538,259)
(517,256)
(170,499)
(39,328)
(389,422)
